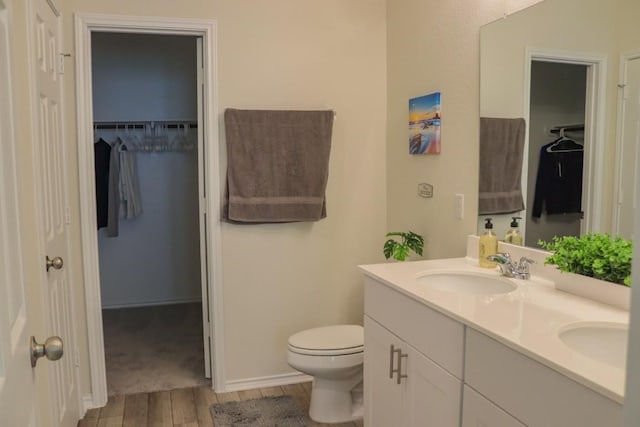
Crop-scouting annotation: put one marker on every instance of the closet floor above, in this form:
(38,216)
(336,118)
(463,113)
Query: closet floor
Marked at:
(153,348)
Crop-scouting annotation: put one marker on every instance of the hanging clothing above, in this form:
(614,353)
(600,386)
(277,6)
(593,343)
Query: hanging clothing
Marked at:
(130,202)
(559,182)
(123,187)
(102,154)
(113,225)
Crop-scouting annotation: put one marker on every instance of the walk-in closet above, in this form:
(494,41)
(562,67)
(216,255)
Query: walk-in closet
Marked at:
(556,152)
(146,145)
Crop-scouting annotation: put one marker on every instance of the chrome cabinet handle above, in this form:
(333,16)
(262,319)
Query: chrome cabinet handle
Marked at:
(400,374)
(398,370)
(392,352)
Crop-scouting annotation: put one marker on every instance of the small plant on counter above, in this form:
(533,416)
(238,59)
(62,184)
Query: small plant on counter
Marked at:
(595,255)
(400,250)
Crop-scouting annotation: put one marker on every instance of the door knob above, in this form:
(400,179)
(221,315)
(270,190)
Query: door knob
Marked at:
(56,263)
(51,349)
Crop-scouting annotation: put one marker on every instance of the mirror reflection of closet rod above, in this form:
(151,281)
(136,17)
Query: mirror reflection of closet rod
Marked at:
(566,128)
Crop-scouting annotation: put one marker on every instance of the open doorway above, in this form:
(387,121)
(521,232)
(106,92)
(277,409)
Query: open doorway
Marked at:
(557,106)
(564,94)
(205,125)
(145,111)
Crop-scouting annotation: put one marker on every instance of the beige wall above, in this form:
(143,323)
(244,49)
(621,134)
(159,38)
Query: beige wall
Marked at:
(434,46)
(627,26)
(279,279)
(282,278)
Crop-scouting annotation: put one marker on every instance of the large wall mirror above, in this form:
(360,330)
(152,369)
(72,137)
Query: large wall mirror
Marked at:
(570,68)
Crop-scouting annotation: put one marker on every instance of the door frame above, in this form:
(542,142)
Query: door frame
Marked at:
(85,24)
(625,58)
(595,110)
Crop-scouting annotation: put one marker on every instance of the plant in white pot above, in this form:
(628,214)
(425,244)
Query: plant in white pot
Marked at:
(594,255)
(399,250)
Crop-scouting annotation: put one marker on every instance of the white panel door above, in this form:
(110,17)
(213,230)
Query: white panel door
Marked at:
(383,396)
(17,390)
(44,52)
(434,396)
(629,140)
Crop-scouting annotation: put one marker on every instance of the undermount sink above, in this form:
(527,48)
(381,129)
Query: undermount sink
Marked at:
(467,283)
(605,342)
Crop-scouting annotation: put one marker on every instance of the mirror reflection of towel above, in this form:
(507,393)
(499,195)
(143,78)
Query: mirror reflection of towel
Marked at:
(501,154)
(277,165)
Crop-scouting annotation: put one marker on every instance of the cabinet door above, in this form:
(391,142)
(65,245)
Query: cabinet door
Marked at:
(382,394)
(427,396)
(478,411)
(434,396)
(534,393)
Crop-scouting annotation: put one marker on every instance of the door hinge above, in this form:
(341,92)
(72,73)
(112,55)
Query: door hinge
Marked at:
(623,87)
(61,57)
(67,215)
(77,358)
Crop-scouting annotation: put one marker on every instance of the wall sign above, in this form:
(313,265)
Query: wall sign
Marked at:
(425,190)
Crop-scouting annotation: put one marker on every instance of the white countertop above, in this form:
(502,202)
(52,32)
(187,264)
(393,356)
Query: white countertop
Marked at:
(526,320)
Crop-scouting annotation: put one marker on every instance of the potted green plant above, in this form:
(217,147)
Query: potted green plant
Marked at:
(594,255)
(399,250)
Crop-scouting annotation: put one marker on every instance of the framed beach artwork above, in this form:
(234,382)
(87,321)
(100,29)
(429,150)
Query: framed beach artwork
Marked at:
(424,124)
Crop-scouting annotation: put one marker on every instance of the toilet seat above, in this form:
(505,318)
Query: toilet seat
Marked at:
(328,341)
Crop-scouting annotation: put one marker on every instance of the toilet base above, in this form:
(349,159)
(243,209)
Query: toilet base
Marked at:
(336,403)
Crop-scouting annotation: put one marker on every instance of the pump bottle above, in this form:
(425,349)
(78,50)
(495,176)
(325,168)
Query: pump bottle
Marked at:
(488,245)
(513,236)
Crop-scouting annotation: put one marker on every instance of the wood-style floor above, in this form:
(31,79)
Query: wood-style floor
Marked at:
(187,407)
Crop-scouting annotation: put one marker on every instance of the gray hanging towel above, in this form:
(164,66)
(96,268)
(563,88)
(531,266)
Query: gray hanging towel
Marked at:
(501,153)
(277,165)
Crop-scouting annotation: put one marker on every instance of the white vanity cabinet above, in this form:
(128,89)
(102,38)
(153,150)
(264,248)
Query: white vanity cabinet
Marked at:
(423,368)
(531,392)
(406,347)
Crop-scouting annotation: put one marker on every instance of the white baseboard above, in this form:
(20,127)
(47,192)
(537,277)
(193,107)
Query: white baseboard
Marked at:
(263,382)
(87,403)
(151,303)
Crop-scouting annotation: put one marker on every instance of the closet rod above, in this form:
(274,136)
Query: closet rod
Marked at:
(141,125)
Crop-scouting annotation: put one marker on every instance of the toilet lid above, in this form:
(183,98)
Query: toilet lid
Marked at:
(335,340)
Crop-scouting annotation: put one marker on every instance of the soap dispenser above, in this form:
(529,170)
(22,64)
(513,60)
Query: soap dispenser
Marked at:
(513,236)
(488,245)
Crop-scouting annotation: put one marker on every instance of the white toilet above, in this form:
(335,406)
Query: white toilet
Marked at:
(333,355)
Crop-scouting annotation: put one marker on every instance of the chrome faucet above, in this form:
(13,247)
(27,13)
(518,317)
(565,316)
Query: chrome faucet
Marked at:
(511,269)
